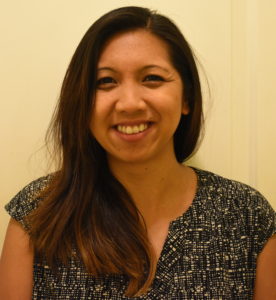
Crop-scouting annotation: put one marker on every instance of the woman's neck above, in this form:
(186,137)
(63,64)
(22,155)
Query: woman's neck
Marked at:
(157,186)
(162,191)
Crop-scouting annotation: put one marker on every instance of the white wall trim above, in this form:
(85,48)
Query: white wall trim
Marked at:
(252,34)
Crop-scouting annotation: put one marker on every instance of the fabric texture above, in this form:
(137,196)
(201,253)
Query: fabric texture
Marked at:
(210,251)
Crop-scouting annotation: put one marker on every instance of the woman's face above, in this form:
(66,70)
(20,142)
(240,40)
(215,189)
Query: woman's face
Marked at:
(139,98)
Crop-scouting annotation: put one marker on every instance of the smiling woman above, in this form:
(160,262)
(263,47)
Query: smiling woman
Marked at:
(123,217)
(139,99)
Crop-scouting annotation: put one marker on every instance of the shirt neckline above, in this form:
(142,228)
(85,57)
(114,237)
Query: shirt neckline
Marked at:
(196,203)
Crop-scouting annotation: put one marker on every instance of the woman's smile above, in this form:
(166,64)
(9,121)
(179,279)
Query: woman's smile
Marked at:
(133,132)
(132,129)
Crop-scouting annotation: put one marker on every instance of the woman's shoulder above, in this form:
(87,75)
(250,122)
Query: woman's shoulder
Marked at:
(235,202)
(229,190)
(27,199)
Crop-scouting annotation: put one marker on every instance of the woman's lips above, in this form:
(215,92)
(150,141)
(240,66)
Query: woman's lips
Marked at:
(132,129)
(132,132)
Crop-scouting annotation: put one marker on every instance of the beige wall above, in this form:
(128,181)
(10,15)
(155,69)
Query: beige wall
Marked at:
(234,40)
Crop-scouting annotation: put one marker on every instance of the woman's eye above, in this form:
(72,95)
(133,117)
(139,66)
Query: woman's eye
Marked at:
(153,78)
(105,82)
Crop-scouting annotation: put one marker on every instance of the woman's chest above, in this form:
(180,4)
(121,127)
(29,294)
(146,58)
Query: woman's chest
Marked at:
(191,266)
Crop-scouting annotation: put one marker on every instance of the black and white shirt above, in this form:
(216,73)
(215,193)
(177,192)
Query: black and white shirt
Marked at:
(210,251)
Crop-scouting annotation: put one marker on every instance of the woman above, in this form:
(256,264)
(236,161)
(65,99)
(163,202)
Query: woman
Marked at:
(123,217)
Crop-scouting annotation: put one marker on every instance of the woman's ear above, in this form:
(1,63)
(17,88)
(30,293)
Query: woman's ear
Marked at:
(185,108)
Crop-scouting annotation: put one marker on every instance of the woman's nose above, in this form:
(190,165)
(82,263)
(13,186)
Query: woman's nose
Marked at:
(130,99)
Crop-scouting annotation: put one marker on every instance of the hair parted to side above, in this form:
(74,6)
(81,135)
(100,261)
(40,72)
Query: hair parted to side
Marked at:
(85,207)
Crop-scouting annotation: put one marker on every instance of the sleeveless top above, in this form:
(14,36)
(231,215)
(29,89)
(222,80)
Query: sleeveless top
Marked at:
(210,251)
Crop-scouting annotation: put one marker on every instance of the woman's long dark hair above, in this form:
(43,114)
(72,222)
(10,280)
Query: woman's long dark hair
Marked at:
(84,206)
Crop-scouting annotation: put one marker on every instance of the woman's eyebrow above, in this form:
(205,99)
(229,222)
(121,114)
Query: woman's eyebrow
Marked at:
(156,66)
(106,69)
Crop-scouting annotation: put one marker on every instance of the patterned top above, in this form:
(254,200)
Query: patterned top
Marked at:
(210,251)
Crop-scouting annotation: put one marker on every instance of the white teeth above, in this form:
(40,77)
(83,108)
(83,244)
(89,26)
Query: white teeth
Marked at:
(142,127)
(128,130)
(132,129)
(135,129)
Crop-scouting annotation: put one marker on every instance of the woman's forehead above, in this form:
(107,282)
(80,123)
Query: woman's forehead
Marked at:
(136,46)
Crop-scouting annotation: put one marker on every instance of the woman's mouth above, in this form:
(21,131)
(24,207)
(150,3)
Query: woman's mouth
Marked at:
(132,129)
